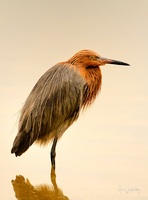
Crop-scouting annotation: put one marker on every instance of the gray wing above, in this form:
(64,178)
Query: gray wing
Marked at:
(56,98)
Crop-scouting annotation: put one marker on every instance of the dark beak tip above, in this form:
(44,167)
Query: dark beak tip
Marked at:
(127,64)
(119,63)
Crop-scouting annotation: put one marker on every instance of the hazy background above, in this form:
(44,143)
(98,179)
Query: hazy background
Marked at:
(106,149)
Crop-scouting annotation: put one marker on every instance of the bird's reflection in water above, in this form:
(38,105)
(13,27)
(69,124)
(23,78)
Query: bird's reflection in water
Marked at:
(25,190)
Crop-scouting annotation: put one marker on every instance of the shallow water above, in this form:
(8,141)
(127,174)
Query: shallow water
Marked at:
(104,163)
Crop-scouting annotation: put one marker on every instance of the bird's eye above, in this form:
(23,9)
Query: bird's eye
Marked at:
(91,57)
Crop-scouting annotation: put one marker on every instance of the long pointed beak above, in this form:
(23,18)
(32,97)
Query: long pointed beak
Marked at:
(110,61)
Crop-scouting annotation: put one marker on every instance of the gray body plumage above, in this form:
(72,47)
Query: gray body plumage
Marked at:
(52,106)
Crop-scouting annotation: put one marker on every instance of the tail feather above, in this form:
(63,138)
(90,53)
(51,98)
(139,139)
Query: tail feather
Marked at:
(21,143)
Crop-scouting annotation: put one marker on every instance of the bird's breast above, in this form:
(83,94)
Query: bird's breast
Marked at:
(93,79)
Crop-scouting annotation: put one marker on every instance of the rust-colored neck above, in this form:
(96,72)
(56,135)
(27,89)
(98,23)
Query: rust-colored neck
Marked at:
(93,78)
(87,62)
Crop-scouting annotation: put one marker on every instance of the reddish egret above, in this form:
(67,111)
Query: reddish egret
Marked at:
(57,99)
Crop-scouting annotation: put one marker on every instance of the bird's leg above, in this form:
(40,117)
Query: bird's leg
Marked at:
(53,152)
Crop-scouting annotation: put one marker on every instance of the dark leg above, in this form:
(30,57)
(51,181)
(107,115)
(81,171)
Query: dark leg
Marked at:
(53,153)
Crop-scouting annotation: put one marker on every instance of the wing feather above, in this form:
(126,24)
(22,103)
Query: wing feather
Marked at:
(56,98)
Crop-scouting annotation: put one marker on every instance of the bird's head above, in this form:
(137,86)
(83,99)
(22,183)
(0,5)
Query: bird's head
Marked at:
(91,59)
(88,63)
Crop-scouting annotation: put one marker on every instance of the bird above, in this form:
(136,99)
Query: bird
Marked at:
(57,99)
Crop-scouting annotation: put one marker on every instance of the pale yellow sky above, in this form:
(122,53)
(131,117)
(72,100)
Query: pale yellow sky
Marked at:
(35,35)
